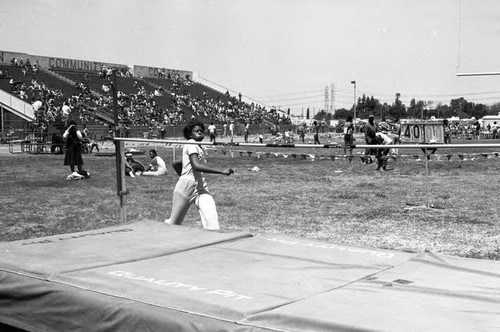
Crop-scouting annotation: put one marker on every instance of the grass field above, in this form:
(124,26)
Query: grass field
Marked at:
(336,201)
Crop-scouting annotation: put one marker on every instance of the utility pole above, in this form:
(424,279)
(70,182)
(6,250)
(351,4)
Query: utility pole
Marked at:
(326,98)
(332,98)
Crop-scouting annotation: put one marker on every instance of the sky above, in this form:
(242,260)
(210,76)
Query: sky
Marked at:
(280,53)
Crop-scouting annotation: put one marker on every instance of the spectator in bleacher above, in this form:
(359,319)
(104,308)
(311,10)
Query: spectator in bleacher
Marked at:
(66,109)
(105,88)
(37,104)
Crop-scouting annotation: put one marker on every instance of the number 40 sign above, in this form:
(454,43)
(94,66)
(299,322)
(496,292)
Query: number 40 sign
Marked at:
(422,132)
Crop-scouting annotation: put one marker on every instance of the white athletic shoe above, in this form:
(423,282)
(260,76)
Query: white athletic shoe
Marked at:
(78,176)
(167,221)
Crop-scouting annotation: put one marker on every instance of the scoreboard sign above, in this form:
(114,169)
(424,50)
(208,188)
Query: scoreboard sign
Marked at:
(422,132)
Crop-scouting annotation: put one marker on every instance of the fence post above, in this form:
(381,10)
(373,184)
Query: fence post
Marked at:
(427,178)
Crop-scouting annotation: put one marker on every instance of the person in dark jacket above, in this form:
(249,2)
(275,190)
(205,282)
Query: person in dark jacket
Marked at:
(73,155)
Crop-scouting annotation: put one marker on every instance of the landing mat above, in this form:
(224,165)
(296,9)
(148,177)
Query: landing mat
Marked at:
(149,276)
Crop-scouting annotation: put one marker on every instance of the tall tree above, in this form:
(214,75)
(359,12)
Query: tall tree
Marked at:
(458,106)
(397,109)
(342,113)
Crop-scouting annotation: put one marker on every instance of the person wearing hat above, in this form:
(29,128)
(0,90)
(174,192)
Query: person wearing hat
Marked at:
(133,168)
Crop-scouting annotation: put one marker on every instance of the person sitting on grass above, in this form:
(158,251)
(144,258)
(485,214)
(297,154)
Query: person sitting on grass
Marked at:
(191,188)
(133,168)
(157,165)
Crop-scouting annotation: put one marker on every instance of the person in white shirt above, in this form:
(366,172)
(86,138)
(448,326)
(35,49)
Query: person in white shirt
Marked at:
(156,167)
(382,139)
(66,109)
(247,131)
(231,130)
(191,188)
(212,132)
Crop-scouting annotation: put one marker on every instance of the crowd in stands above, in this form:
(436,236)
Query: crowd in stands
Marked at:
(27,67)
(139,108)
(48,104)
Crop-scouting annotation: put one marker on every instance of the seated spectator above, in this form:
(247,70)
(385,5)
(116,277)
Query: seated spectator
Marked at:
(66,109)
(105,88)
(133,168)
(157,165)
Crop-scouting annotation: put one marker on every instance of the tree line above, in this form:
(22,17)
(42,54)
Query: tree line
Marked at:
(420,109)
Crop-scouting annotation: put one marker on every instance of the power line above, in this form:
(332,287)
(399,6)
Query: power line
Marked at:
(343,96)
(294,98)
(287,94)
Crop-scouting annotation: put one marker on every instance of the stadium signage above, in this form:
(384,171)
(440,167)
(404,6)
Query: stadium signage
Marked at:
(332,247)
(180,285)
(422,132)
(154,72)
(58,63)
(92,66)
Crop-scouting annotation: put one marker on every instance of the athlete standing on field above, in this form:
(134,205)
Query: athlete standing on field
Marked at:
(191,188)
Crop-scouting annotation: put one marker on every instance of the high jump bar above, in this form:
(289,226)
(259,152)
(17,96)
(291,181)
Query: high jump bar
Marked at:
(311,146)
(491,73)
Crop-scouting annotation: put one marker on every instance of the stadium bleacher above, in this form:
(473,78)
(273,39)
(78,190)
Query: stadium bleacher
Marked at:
(143,101)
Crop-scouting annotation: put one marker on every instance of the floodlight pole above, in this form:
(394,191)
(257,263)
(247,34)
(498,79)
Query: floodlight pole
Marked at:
(355,104)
